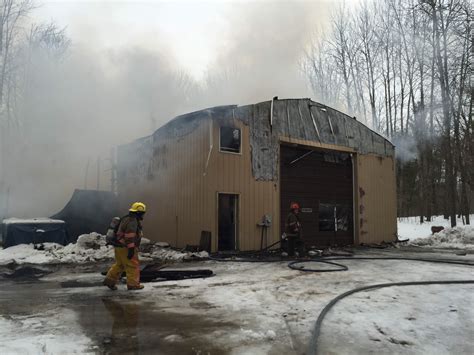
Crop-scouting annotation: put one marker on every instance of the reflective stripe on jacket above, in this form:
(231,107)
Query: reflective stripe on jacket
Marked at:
(129,232)
(293,225)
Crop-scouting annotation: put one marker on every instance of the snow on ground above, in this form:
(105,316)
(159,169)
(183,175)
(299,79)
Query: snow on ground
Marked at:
(44,333)
(460,237)
(410,227)
(267,308)
(22,254)
(88,248)
(265,297)
(173,255)
(408,320)
(92,247)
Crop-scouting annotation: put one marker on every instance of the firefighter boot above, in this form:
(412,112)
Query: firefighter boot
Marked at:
(109,283)
(134,288)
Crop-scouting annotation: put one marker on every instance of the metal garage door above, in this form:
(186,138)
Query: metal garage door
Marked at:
(321,182)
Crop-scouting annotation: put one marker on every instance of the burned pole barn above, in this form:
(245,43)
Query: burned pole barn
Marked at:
(232,172)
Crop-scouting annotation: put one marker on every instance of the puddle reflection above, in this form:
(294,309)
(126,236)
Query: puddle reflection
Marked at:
(125,318)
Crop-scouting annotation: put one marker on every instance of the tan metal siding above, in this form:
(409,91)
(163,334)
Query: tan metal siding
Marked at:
(182,200)
(232,173)
(177,196)
(377,199)
(182,196)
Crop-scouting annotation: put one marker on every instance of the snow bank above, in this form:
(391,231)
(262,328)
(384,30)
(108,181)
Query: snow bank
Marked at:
(461,237)
(24,254)
(411,228)
(88,248)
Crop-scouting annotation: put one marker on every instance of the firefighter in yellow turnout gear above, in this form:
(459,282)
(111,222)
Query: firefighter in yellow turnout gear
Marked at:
(128,238)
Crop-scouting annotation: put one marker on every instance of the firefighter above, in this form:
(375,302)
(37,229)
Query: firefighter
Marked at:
(128,236)
(293,231)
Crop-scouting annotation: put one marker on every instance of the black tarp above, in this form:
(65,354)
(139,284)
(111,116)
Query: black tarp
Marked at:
(88,211)
(31,231)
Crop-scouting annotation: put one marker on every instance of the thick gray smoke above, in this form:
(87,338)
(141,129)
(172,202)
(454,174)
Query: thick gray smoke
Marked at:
(76,108)
(406,149)
(263,52)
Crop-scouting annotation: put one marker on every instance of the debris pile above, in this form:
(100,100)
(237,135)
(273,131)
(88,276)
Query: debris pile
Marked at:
(88,248)
(461,237)
(168,254)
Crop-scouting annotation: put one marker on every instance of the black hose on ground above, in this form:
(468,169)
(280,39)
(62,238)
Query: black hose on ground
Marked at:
(253,256)
(329,260)
(257,258)
(340,267)
(313,345)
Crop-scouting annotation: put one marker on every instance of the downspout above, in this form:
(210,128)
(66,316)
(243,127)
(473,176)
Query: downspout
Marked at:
(288,120)
(211,146)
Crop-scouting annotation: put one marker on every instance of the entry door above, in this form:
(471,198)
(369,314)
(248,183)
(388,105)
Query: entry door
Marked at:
(228,207)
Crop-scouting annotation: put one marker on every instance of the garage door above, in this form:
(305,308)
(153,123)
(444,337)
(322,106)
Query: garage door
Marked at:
(321,182)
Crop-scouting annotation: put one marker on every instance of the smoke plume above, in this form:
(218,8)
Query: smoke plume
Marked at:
(73,109)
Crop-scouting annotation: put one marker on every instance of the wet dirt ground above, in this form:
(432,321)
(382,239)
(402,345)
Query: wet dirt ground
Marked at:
(119,322)
(245,309)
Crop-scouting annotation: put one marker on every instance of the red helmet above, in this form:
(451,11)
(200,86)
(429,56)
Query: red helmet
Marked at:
(294,206)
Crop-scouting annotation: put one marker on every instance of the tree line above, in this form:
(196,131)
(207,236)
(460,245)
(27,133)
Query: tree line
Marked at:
(404,67)
(21,39)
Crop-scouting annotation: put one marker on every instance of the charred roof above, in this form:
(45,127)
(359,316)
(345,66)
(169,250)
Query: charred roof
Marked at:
(302,119)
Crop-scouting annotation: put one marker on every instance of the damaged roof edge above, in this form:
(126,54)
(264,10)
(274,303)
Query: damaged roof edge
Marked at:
(138,140)
(178,125)
(191,116)
(352,117)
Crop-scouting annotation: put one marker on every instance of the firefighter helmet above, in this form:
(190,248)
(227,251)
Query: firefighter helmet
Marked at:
(138,207)
(294,206)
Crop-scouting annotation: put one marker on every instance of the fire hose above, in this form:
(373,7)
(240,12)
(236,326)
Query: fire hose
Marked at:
(297,265)
(313,344)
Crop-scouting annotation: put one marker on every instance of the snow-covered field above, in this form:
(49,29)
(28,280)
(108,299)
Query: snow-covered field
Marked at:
(246,308)
(459,237)
(252,308)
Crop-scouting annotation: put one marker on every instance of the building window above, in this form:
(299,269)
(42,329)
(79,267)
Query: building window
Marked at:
(230,140)
(335,217)
(327,213)
(336,158)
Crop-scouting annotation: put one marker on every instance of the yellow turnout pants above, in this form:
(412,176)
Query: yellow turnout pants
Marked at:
(122,263)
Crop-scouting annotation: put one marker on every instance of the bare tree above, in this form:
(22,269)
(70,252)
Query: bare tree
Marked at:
(16,47)
(410,63)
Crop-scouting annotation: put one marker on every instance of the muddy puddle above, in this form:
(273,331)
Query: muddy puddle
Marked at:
(124,326)
(117,323)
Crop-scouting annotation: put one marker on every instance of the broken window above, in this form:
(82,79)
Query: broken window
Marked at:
(335,217)
(230,139)
(336,158)
(343,217)
(327,213)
